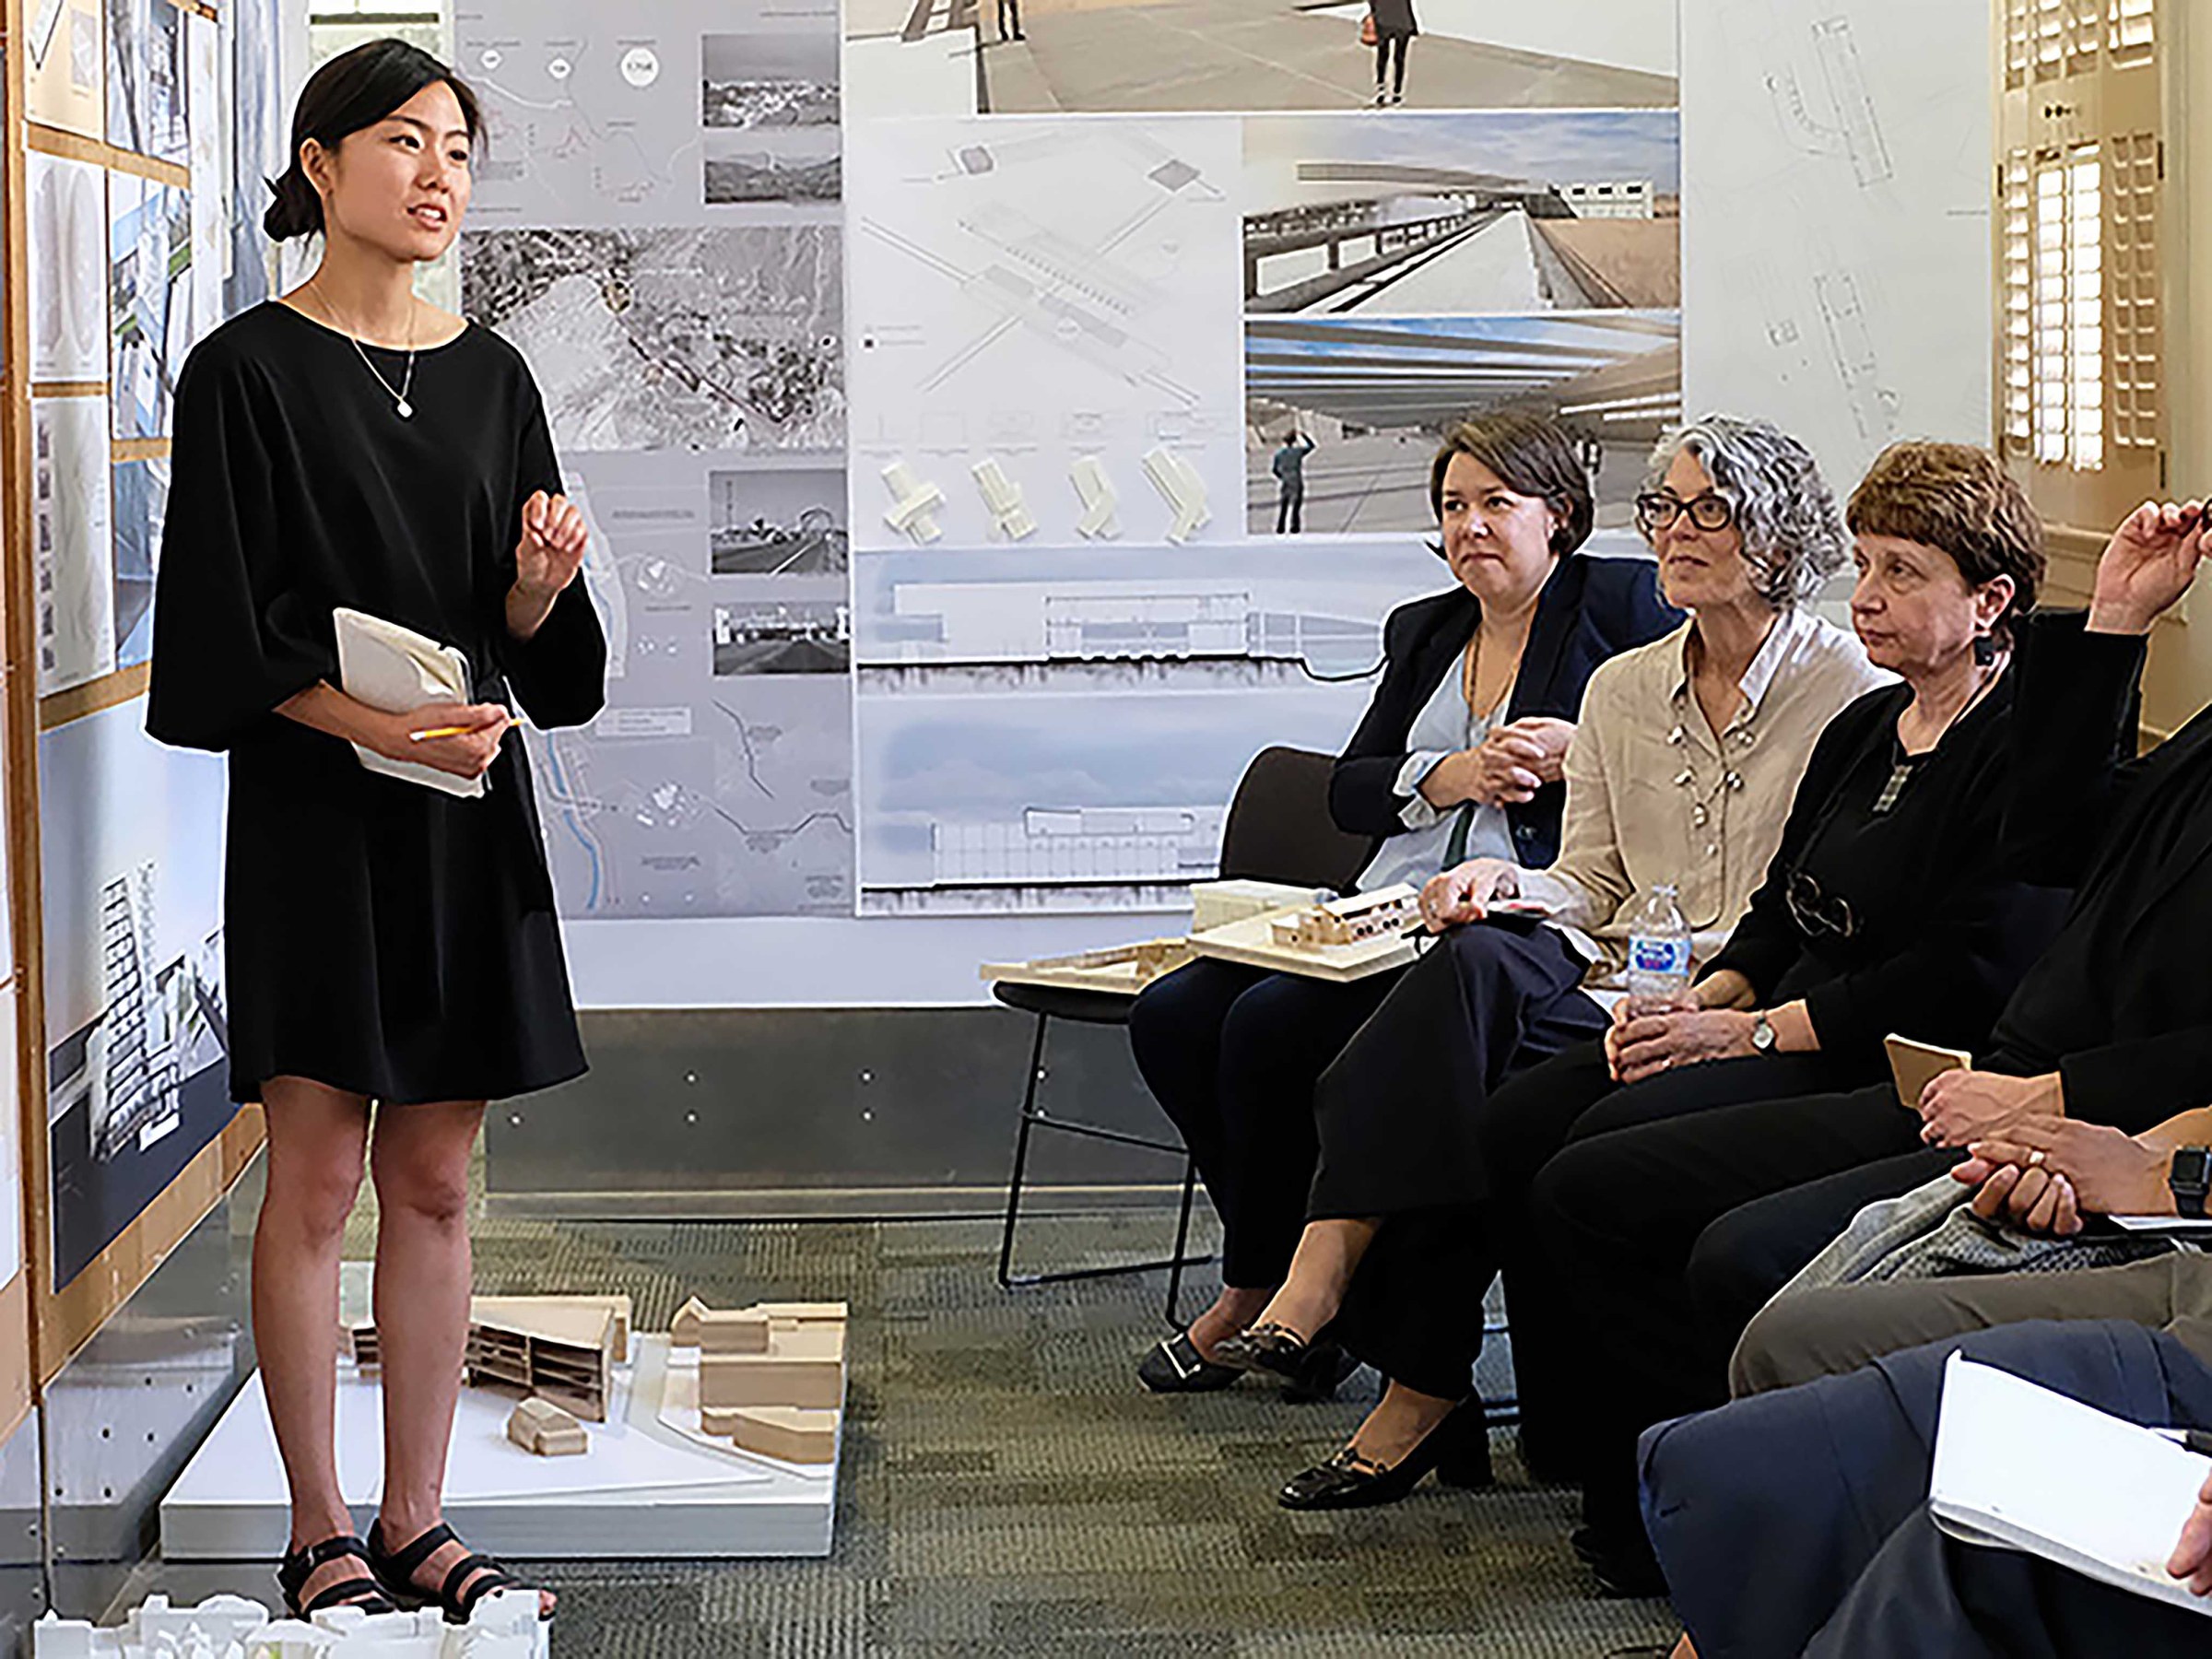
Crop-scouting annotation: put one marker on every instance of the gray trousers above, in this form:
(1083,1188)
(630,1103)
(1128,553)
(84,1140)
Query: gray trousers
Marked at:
(1828,1332)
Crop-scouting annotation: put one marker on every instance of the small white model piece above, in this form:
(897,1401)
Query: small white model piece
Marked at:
(543,1428)
(683,1332)
(1218,904)
(1009,515)
(914,510)
(1117,969)
(1095,490)
(782,1314)
(1183,490)
(743,1332)
(1349,921)
(804,1366)
(786,1432)
(505,1626)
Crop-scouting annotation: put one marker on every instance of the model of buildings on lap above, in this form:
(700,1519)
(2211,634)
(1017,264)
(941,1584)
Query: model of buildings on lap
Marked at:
(1681,772)
(1461,749)
(1696,1219)
(353,446)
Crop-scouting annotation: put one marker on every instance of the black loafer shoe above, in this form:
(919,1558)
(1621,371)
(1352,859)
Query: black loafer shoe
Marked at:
(1457,1449)
(1175,1366)
(1323,1372)
(1269,1347)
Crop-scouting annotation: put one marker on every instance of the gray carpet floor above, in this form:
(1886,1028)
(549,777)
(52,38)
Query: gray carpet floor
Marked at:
(1008,1488)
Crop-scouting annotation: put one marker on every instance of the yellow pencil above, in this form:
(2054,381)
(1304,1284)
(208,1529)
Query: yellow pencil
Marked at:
(440,732)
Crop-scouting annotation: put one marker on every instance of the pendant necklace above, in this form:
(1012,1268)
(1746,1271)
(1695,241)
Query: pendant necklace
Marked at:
(1900,772)
(406,383)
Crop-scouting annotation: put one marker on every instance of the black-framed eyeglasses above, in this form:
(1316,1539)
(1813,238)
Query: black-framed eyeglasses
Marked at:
(1659,510)
(1817,912)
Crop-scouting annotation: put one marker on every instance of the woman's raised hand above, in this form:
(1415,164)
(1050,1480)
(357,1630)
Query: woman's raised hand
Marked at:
(2148,566)
(551,549)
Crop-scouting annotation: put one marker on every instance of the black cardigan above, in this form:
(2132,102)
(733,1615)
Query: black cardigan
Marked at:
(1590,609)
(1945,929)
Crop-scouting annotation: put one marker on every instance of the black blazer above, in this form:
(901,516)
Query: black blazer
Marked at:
(1590,609)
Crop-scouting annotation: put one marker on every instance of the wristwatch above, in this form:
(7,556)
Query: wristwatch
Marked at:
(1762,1034)
(2190,1177)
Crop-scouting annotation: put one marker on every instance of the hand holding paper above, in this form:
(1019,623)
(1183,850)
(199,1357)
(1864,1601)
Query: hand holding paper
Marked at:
(401,672)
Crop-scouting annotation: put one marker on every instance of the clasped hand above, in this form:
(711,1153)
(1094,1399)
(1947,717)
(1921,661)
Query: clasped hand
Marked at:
(1505,769)
(1963,1106)
(1655,1034)
(2043,1174)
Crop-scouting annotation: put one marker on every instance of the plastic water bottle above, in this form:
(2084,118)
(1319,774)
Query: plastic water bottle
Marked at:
(1658,946)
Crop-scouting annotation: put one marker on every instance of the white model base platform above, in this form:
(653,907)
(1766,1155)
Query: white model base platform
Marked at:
(641,1491)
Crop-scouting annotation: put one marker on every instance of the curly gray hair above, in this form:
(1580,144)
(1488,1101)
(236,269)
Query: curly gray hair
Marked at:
(1793,534)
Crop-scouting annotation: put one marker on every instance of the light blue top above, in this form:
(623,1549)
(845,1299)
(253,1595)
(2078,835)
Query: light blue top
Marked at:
(1445,725)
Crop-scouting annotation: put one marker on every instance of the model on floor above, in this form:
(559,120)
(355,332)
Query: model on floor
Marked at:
(351,445)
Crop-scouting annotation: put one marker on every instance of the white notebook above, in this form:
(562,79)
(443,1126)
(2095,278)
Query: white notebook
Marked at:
(2020,1467)
(394,669)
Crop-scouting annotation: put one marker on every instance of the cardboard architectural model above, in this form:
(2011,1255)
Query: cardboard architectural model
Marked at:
(1218,904)
(543,1428)
(1353,921)
(506,1626)
(561,1348)
(1128,968)
(771,1377)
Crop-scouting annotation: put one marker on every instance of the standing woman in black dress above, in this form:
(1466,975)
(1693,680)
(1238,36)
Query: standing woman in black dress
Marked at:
(351,445)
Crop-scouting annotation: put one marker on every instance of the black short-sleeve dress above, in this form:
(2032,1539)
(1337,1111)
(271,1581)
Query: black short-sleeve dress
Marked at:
(379,937)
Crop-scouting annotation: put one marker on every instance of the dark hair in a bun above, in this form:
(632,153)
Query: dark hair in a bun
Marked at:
(353,90)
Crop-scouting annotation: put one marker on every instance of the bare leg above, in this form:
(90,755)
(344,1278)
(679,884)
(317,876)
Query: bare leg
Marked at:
(1232,1312)
(316,1136)
(1683,1650)
(1399,1422)
(420,1165)
(1321,1270)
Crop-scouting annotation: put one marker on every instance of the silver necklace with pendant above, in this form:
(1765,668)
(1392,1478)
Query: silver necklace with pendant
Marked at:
(406,381)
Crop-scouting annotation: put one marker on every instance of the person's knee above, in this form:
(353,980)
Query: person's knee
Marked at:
(313,1195)
(1787,1342)
(428,1183)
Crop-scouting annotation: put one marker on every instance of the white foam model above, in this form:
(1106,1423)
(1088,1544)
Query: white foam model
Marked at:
(1095,490)
(1009,515)
(505,1626)
(1183,490)
(913,509)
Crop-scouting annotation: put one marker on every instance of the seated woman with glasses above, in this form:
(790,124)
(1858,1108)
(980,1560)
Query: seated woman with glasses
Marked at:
(1889,909)
(1681,772)
(1460,751)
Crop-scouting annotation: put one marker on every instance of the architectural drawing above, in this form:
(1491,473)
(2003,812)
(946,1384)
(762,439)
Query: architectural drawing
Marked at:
(149,300)
(67,262)
(141,505)
(146,101)
(1037,292)
(723,339)
(1866,272)
(71,551)
(613,117)
(777,523)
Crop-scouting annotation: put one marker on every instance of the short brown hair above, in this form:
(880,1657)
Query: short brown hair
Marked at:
(1962,501)
(1532,457)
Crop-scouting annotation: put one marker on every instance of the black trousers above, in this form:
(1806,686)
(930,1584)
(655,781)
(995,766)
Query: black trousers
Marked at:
(1389,47)
(1290,507)
(1402,1115)
(1796,1521)
(1231,1054)
(1666,1237)
(1565,1101)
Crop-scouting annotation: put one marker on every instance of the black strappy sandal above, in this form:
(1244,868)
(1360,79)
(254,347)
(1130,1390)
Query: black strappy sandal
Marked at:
(362,1591)
(458,1595)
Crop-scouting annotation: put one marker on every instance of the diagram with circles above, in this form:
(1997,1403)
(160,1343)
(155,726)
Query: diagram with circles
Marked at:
(705,112)
(68,276)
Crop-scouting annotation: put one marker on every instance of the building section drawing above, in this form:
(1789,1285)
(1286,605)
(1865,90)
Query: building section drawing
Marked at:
(1037,294)
(717,781)
(1505,211)
(1027,802)
(1132,619)
(1863,280)
(648,116)
(728,339)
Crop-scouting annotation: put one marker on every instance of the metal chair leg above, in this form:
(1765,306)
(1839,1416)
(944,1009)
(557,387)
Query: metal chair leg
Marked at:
(1182,1237)
(1022,1155)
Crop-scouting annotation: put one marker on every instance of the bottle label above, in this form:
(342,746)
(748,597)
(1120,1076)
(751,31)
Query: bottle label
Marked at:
(1659,956)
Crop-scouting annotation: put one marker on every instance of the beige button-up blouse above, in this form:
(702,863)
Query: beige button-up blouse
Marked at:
(1653,796)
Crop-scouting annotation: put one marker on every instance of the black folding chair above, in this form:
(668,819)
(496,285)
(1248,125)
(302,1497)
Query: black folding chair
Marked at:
(1278,828)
